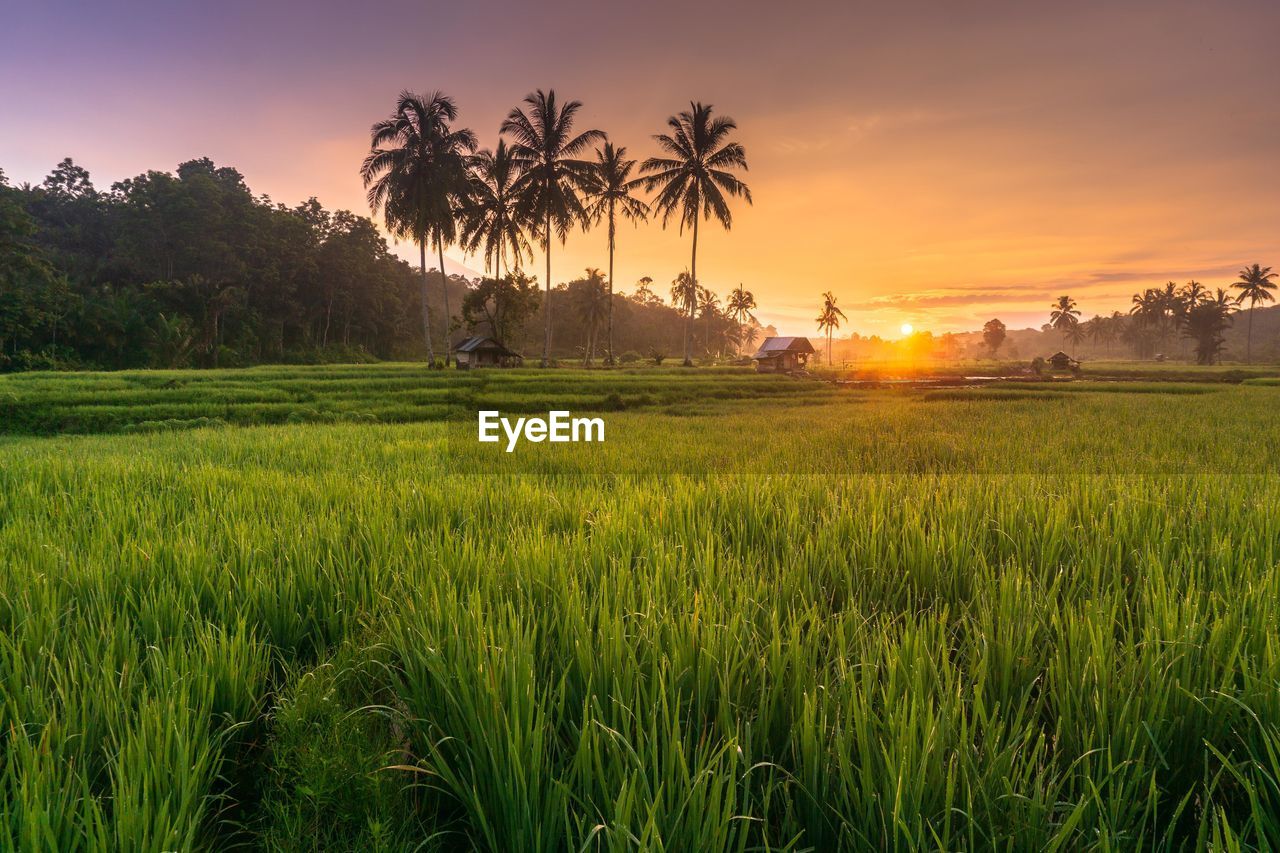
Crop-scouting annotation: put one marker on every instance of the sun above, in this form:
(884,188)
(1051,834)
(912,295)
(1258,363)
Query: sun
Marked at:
(907,329)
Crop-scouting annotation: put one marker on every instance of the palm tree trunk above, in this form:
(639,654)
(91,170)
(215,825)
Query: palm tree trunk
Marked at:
(546,309)
(608,359)
(1248,340)
(444,282)
(693,275)
(426,309)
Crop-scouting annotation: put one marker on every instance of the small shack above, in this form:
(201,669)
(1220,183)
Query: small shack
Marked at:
(783,355)
(1061,361)
(484,352)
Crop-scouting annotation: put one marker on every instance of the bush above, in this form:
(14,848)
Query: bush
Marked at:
(630,357)
(657,356)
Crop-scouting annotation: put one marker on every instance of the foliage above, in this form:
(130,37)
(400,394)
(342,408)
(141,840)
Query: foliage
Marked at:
(993,335)
(191,268)
(500,306)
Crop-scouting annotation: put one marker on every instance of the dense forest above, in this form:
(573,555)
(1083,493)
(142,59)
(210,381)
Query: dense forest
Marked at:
(193,269)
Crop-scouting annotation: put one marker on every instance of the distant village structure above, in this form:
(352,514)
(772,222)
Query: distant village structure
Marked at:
(783,355)
(484,352)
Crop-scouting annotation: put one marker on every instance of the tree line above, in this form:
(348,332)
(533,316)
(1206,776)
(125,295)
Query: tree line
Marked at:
(1163,316)
(192,268)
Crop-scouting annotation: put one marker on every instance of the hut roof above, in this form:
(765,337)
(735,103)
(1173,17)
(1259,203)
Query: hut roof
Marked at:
(479,343)
(773,347)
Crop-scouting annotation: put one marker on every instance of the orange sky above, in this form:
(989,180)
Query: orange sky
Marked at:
(938,163)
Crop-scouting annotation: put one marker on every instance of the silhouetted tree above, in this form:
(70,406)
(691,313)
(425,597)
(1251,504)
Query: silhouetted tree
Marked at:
(1065,316)
(829,319)
(993,335)
(609,187)
(416,174)
(1255,284)
(1206,321)
(741,304)
(693,180)
(491,219)
(551,179)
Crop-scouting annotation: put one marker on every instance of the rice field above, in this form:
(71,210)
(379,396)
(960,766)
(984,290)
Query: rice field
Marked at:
(764,614)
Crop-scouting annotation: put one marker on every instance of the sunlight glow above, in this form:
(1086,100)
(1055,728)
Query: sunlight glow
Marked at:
(907,329)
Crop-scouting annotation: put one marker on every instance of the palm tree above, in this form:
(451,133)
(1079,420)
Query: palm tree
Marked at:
(741,304)
(416,173)
(609,187)
(1065,315)
(1255,285)
(684,296)
(545,149)
(1206,321)
(829,319)
(1074,334)
(694,180)
(708,303)
(491,219)
(1096,328)
(588,299)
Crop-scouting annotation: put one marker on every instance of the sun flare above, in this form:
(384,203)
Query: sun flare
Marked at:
(907,329)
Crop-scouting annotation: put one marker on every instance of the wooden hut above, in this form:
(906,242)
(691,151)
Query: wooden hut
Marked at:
(1061,361)
(783,355)
(484,352)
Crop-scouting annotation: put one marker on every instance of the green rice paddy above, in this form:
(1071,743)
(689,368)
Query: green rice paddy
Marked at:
(303,609)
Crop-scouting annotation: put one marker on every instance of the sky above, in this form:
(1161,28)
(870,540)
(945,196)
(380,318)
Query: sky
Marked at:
(933,163)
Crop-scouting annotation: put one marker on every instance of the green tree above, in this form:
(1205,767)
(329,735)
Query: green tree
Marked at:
(1255,284)
(546,149)
(503,305)
(26,276)
(609,188)
(416,174)
(694,180)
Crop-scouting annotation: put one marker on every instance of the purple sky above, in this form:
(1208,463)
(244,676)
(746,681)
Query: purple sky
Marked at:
(934,163)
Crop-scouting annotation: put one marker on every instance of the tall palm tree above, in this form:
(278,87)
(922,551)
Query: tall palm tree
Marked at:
(609,187)
(1255,285)
(1064,315)
(829,319)
(693,181)
(491,219)
(551,177)
(416,174)
(741,304)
